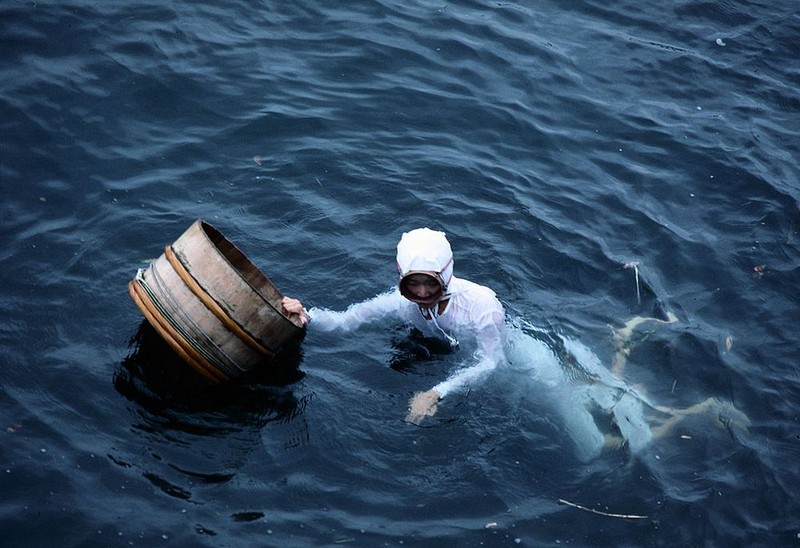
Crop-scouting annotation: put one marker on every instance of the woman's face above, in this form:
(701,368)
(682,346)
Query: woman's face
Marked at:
(422,287)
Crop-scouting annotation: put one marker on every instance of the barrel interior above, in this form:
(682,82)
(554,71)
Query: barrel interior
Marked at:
(246,269)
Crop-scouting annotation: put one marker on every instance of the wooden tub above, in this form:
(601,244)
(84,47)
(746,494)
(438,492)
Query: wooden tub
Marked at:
(212,305)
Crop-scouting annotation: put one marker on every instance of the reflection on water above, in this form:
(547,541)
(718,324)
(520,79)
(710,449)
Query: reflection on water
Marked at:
(155,376)
(412,346)
(195,431)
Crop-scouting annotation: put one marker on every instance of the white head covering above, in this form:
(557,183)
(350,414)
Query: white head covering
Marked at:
(425,251)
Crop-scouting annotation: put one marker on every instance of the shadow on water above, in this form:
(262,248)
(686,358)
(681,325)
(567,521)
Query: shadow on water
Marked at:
(154,376)
(190,431)
(412,347)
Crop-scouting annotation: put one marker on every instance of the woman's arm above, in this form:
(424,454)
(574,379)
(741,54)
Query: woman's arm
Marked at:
(379,307)
(488,356)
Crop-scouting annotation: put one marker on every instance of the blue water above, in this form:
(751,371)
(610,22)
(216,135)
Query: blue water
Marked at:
(554,142)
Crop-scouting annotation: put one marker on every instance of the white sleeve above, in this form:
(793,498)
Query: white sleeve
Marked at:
(379,307)
(490,353)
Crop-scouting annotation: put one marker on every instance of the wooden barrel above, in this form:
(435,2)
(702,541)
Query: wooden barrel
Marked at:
(212,305)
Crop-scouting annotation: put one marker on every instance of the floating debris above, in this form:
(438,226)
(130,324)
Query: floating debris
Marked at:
(609,514)
(258,159)
(635,266)
(720,42)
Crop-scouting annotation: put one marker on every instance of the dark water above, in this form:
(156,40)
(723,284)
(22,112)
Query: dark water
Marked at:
(554,142)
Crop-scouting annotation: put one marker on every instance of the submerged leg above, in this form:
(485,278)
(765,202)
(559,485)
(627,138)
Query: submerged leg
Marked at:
(726,414)
(629,417)
(622,340)
(611,394)
(580,426)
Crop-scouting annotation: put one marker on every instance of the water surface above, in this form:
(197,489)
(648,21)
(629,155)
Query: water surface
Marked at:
(554,144)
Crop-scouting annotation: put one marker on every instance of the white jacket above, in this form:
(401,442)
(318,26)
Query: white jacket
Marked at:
(472,311)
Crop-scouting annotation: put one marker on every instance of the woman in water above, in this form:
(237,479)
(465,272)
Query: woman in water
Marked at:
(431,299)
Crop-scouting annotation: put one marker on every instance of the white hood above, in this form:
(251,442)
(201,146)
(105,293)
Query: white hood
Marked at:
(426,251)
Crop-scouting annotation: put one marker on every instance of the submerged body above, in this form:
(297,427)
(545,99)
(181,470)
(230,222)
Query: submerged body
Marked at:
(579,386)
(571,373)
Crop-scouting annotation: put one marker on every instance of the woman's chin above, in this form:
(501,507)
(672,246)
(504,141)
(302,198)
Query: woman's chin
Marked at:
(427,303)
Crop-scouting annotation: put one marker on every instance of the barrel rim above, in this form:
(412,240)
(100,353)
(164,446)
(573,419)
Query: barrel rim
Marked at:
(213,235)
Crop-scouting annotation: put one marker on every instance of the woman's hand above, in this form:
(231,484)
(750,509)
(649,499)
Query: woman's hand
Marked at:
(423,404)
(293,307)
